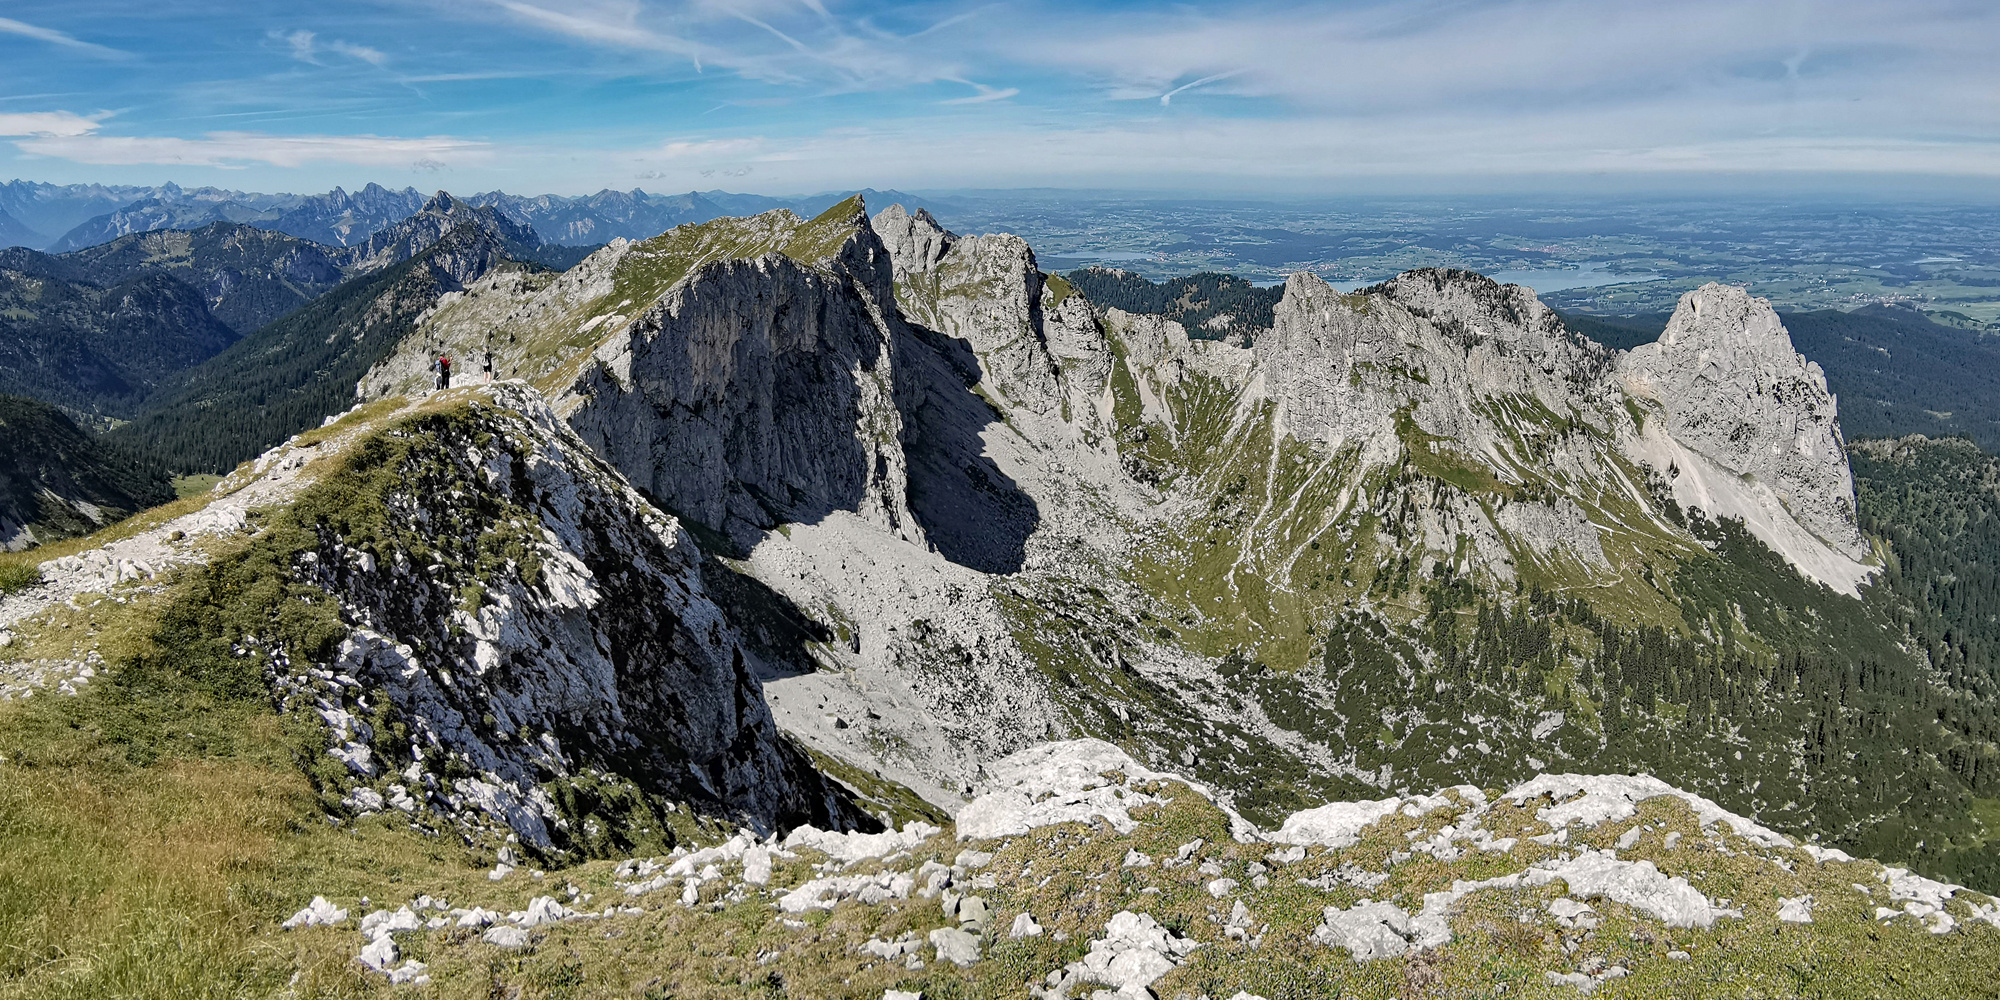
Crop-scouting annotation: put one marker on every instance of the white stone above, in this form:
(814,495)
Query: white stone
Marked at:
(955,946)
(506,936)
(1594,800)
(1369,930)
(318,913)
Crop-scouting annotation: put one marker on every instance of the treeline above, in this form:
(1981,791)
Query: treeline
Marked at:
(1211,305)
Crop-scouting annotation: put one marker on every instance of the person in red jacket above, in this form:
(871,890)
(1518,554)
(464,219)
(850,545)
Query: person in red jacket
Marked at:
(442,366)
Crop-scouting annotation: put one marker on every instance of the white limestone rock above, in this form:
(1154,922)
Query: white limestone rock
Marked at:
(1594,800)
(1134,952)
(850,847)
(1368,930)
(318,913)
(955,946)
(1077,781)
(1752,428)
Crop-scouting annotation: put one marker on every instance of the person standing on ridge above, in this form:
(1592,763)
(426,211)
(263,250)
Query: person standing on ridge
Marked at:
(442,366)
(486,367)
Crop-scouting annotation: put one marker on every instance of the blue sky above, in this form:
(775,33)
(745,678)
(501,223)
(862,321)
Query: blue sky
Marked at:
(808,95)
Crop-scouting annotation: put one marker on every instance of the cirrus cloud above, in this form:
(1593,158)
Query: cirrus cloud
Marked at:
(237,149)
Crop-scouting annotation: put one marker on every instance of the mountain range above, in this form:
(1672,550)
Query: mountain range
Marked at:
(64,218)
(103,330)
(1309,660)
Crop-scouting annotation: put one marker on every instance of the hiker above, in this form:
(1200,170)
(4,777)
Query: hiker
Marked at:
(486,368)
(443,368)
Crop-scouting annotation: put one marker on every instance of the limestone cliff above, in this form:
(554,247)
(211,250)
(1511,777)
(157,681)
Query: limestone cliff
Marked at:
(1753,430)
(742,372)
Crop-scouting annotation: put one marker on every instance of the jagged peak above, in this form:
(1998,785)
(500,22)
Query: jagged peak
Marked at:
(1718,315)
(915,240)
(441,203)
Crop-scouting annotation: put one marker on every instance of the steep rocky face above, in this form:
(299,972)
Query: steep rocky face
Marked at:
(985,291)
(496,632)
(916,243)
(743,372)
(757,392)
(1732,390)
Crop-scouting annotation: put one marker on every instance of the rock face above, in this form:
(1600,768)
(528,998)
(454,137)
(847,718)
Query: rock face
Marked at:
(758,392)
(744,391)
(523,619)
(1734,392)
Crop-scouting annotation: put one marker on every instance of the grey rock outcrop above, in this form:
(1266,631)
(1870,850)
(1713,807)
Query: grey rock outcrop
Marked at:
(587,666)
(1732,389)
(916,243)
(757,392)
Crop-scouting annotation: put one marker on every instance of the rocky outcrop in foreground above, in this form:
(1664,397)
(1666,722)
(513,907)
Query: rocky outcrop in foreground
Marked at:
(1080,873)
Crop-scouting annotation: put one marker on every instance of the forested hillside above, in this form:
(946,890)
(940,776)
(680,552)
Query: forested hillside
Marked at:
(292,374)
(58,481)
(1211,305)
(98,351)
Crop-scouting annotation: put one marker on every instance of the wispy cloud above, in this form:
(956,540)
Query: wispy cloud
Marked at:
(237,149)
(985,94)
(610,25)
(1168,97)
(703,148)
(10,26)
(306,47)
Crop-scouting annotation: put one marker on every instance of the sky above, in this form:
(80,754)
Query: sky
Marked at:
(783,96)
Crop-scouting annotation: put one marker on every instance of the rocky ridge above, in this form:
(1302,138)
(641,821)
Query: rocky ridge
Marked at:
(1015,452)
(511,643)
(1139,886)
